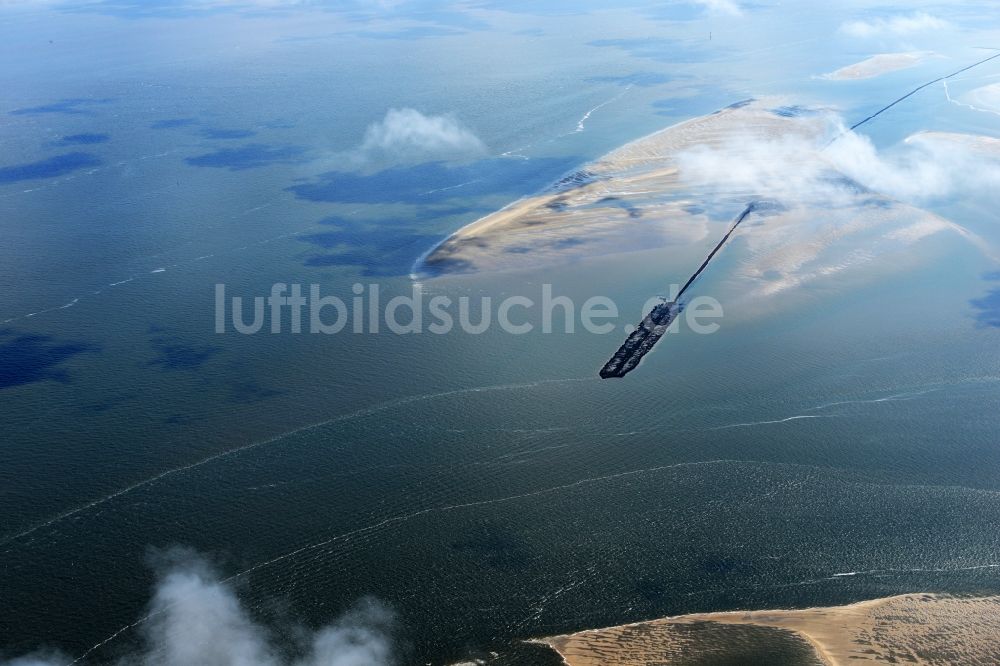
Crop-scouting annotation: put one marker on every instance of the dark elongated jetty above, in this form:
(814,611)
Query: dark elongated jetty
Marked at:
(655,324)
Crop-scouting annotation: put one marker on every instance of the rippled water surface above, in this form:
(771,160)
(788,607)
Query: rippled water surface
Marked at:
(831,446)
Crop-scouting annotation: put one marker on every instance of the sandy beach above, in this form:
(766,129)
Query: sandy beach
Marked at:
(877,65)
(923,629)
(976,143)
(677,191)
(638,185)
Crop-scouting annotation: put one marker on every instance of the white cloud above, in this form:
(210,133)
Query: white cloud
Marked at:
(359,638)
(796,166)
(721,7)
(406,135)
(831,221)
(894,25)
(920,169)
(195,620)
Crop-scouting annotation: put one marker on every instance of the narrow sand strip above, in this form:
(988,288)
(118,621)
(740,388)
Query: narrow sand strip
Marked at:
(877,65)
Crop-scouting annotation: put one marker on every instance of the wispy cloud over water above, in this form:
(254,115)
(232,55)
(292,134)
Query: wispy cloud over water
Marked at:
(194,619)
(924,167)
(407,135)
(900,24)
(721,7)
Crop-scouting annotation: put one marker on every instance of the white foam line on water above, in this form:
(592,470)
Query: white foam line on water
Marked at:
(841,576)
(52,182)
(898,397)
(515,430)
(947,94)
(580,124)
(910,395)
(405,517)
(368,411)
(580,127)
(889,398)
(538,606)
(451,187)
(797,417)
(815,581)
(162,269)
(52,309)
(575,484)
(467,505)
(526,452)
(877,572)
(515,152)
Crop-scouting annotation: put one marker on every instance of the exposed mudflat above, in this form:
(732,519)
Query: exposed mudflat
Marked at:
(877,65)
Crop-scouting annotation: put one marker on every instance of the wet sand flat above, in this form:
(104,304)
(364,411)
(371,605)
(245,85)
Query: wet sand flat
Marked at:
(984,145)
(879,64)
(632,198)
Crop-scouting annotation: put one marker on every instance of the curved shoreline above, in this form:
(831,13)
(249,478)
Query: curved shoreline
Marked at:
(916,628)
(553,189)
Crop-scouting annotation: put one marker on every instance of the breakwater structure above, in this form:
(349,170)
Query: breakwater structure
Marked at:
(635,198)
(659,319)
(655,324)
